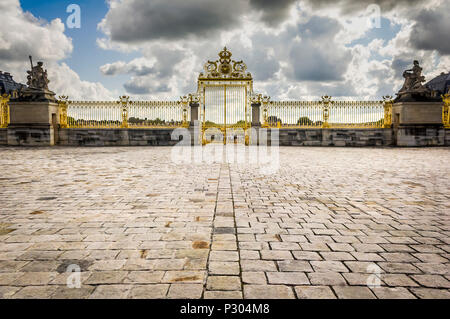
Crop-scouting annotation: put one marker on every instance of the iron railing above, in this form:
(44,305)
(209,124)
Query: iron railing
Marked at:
(156,114)
(122,114)
(225,105)
(327,114)
(292,114)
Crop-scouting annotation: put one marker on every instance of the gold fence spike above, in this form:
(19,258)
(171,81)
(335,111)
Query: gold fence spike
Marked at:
(388,105)
(4,110)
(446,110)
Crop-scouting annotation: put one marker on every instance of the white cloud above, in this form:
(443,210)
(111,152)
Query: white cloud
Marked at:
(139,66)
(67,82)
(294,49)
(22,35)
(300,51)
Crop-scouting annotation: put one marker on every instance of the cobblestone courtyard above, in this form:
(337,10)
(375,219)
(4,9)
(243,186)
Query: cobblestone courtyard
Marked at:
(140,226)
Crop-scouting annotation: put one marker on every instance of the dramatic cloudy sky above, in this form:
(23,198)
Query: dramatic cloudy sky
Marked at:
(154,49)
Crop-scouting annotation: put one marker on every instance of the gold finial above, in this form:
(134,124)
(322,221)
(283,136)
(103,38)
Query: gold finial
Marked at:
(326,99)
(225,55)
(446,98)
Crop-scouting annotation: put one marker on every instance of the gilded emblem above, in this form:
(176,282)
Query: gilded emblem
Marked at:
(225,68)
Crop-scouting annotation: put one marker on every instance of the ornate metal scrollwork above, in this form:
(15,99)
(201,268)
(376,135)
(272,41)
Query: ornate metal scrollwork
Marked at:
(124,101)
(388,104)
(326,100)
(225,68)
(63,104)
(446,110)
(4,110)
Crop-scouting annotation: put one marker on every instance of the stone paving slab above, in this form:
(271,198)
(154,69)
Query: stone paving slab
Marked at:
(330,223)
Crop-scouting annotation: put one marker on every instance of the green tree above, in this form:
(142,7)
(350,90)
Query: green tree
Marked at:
(273,120)
(305,121)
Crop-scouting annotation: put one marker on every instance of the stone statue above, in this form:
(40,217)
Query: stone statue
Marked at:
(37,83)
(37,77)
(413,79)
(413,88)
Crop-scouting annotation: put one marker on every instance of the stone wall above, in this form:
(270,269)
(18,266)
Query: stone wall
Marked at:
(357,137)
(162,137)
(335,137)
(30,135)
(421,136)
(116,137)
(414,137)
(300,137)
(3,136)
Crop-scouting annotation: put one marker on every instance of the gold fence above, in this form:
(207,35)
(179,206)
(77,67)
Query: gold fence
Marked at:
(123,114)
(446,110)
(4,110)
(327,114)
(155,114)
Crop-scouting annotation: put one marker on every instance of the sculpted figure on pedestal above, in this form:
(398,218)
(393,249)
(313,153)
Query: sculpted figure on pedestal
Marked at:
(37,77)
(37,83)
(413,79)
(413,88)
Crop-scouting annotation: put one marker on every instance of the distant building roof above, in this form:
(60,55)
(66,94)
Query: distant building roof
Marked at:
(440,84)
(7,84)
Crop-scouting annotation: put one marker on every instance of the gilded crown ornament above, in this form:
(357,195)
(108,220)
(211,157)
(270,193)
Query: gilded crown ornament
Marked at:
(225,68)
(225,56)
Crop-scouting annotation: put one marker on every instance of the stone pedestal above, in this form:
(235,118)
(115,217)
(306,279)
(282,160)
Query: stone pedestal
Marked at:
(33,123)
(418,124)
(421,113)
(194,113)
(256,115)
